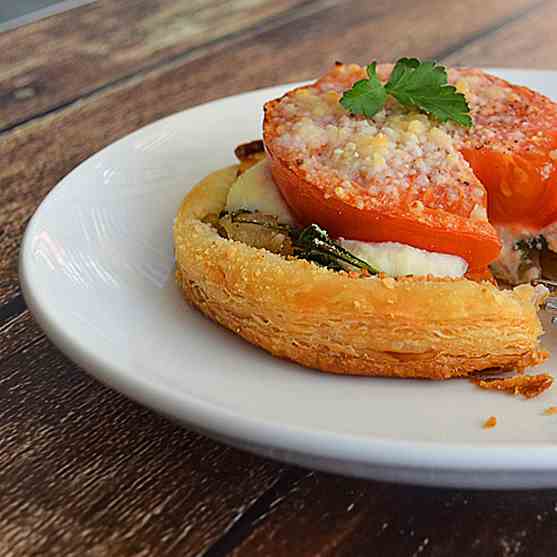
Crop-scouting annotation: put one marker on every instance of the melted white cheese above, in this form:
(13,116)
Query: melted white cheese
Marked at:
(399,260)
(255,190)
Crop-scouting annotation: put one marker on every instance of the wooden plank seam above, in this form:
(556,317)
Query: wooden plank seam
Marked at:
(257,512)
(12,309)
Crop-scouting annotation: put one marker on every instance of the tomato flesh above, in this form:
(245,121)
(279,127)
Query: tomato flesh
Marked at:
(521,188)
(433,230)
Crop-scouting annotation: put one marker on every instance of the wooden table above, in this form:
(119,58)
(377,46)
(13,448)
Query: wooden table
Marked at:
(86,472)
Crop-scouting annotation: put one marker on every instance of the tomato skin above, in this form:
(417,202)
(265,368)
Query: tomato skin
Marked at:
(433,229)
(518,192)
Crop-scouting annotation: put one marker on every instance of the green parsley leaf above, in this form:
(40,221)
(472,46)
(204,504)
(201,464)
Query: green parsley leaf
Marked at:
(425,86)
(367,96)
(401,71)
(422,85)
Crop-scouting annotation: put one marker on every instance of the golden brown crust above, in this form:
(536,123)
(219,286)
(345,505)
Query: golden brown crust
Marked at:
(528,386)
(491,422)
(410,327)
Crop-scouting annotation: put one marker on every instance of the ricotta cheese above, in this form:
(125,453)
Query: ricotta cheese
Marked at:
(398,260)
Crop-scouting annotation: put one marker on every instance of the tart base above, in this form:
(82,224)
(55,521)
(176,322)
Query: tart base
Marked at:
(417,327)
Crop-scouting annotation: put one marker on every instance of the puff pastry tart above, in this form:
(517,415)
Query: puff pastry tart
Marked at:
(360,244)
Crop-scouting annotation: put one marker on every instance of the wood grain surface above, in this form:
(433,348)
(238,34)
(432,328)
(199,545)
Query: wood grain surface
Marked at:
(83,470)
(350,518)
(77,53)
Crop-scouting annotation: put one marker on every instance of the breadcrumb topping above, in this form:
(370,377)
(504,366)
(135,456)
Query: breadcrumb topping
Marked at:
(504,118)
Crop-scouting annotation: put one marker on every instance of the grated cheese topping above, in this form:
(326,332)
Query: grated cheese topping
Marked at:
(505,118)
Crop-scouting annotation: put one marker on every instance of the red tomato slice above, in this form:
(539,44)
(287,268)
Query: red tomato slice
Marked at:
(432,229)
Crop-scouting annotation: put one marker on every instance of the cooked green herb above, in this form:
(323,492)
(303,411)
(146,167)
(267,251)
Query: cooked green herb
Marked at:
(314,244)
(311,243)
(538,243)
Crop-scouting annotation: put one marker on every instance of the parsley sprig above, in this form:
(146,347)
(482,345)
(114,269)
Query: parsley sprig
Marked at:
(422,85)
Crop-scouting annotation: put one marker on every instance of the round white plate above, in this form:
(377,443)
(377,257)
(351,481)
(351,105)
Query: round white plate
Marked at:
(97,272)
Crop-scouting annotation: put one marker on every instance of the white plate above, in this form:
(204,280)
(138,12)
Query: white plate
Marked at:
(97,273)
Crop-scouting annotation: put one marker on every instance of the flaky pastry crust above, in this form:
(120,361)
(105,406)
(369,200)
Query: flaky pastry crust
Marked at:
(423,327)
